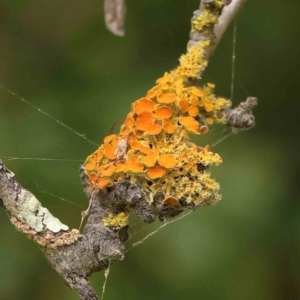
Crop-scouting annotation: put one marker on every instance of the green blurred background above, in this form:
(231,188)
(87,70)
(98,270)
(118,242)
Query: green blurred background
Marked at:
(59,56)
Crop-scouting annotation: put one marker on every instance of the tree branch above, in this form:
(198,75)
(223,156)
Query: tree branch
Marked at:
(73,256)
(203,25)
(76,257)
(241,117)
(228,15)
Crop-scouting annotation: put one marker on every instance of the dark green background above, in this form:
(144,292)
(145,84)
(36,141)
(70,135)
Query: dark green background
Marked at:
(59,56)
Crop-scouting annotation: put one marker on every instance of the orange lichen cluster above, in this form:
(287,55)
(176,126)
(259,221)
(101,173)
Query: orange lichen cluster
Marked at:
(153,146)
(155,138)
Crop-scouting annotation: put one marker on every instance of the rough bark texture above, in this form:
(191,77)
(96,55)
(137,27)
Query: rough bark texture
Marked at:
(75,259)
(216,32)
(241,117)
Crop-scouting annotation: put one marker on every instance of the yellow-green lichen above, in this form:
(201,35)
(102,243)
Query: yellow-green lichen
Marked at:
(204,19)
(116,221)
(219,3)
(192,63)
(208,16)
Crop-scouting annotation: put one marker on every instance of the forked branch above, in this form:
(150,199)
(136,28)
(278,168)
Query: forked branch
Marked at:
(77,256)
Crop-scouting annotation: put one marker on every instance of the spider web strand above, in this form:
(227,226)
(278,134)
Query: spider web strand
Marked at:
(157,230)
(106,273)
(233,60)
(10,158)
(47,115)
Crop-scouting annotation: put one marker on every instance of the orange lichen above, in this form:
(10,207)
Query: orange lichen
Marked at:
(195,101)
(153,148)
(170,201)
(163,79)
(156,172)
(129,122)
(99,154)
(163,112)
(168,126)
(119,168)
(133,165)
(144,120)
(135,144)
(168,161)
(184,105)
(190,124)
(165,87)
(90,162)
(166,98)
(210,121)
(108,138)
(110,151)
(90,166)
(203,129)
(150,159)
(102,183)
(195,91)
(106,170)
(154,129)
(93,177)
(208,107)
(145,149)
(151,94)
(193,111)
(143,105)
(115,142)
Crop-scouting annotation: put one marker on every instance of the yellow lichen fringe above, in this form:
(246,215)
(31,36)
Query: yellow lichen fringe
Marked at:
(192,64)
(153,146)
(49,239)
(116,221)
(207,17)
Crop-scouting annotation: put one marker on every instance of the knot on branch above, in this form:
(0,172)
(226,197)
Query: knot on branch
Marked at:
(241,117)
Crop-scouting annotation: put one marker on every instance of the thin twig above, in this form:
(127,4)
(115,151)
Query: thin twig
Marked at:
(228,15)
(115,16)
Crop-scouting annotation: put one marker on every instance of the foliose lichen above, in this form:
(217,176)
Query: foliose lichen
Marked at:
(153,147)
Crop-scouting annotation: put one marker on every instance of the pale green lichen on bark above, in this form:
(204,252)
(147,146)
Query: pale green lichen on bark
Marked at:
(35,215)
(53,224)
(24,206)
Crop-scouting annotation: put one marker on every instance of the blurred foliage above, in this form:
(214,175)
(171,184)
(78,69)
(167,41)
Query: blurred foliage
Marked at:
(59,56)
